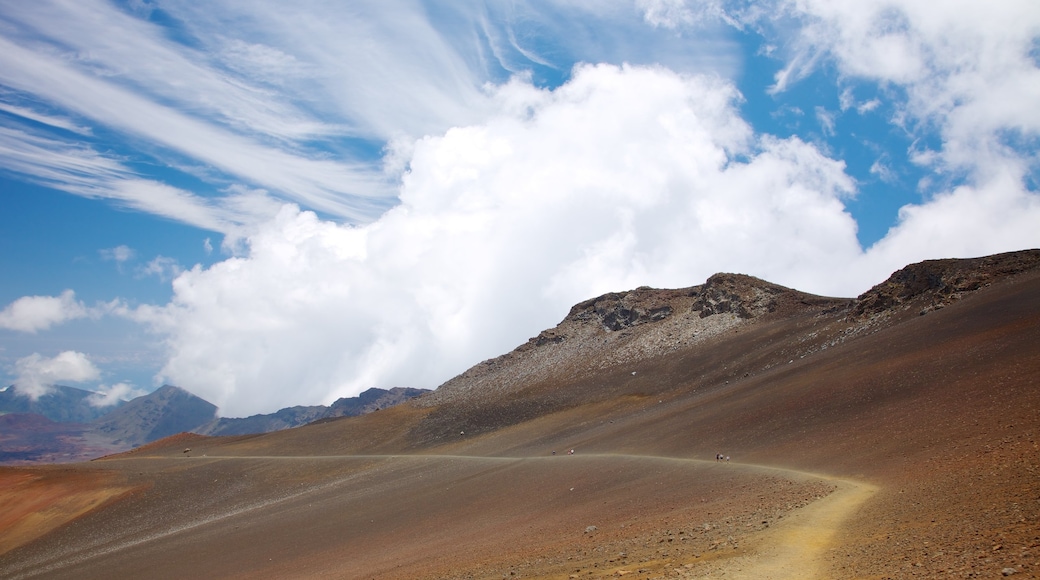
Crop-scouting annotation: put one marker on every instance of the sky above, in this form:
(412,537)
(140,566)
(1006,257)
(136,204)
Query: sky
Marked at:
(273,204)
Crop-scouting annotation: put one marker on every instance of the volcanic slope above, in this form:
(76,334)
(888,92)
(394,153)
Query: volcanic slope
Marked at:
(889,436)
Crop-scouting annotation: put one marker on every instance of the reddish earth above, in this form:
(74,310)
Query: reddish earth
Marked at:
(905,447)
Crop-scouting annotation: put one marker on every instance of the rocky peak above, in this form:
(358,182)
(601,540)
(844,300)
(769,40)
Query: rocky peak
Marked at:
(738,294)
(745,296)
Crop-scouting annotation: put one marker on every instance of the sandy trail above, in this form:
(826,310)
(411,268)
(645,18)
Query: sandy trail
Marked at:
(795,548)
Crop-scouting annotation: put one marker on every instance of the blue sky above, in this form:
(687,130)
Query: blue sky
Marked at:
(273,205)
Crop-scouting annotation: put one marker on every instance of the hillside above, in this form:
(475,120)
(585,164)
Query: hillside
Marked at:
(892,435)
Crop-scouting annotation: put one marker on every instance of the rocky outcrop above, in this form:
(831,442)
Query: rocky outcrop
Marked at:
(625,327)
(620,310)
(934,284)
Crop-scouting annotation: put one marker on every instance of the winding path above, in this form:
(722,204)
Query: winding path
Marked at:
(793,548)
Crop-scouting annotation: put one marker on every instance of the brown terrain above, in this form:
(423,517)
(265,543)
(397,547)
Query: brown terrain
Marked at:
(896,435)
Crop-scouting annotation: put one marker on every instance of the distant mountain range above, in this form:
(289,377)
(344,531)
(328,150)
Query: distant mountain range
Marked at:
(371,400)
(67,425)
(60,404)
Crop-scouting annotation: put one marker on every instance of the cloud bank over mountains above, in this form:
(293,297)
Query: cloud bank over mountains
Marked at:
(494,198)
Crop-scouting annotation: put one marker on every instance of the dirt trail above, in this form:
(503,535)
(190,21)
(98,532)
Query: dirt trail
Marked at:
(795,548)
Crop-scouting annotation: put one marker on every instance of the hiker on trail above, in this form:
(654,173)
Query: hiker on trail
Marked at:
(571,452)
(718,457)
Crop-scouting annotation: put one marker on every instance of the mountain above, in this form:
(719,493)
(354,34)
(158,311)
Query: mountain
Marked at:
(891,435)
(75,431)
(166,411)
(60,404)
(373,399)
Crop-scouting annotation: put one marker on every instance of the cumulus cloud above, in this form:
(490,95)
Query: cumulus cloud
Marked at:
(36,313)
(622,177)
(36,374)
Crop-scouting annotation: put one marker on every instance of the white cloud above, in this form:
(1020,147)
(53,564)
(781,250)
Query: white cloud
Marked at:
(79,169)
(119,254)
(37,374)
(43,118)
(35,313)
(883,171)
(317,182)
(968,221)
(283,97)
(965,68)
(966,74)
(163,267)
(622,177)
(826,119)
(868,106)
(106,396)
(666,13)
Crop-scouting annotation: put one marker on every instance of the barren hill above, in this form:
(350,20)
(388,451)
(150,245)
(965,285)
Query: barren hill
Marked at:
(892,435)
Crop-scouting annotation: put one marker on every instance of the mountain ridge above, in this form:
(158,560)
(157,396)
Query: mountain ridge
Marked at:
(35,438)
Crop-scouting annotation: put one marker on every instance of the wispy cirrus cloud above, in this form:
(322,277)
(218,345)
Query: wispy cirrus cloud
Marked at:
(79,169)
(45,119)
(967,71)
(299,100)
(316,182)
